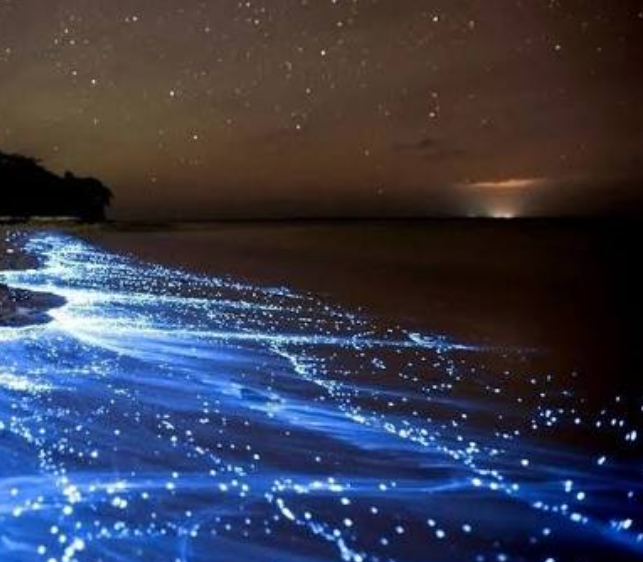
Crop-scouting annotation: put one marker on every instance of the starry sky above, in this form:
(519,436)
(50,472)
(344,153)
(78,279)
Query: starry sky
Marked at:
(195,109)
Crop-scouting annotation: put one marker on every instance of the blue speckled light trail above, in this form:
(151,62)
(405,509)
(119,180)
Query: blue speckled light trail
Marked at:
(163,416)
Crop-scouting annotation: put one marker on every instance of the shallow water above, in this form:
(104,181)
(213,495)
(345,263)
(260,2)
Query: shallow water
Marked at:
(167,416)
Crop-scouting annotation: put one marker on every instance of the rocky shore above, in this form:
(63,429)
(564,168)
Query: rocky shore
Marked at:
(21,308)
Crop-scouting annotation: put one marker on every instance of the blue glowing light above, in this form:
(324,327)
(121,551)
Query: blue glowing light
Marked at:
(165,416)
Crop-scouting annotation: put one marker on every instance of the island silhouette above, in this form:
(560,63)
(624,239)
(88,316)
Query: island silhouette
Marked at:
(28,190)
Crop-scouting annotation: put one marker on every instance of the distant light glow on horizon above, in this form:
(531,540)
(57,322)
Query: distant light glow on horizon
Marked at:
(503,214)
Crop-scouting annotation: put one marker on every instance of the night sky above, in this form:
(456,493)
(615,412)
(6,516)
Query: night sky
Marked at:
(336,107)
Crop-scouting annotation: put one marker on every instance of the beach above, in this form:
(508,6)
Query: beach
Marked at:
(321,391)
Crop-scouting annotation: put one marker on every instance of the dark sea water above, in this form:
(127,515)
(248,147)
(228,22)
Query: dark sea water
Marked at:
(440,391)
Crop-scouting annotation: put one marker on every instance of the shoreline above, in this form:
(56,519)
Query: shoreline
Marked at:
(20,308)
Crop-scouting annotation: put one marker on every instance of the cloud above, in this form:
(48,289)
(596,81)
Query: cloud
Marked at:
(428,147)
(426,143)
(508,184)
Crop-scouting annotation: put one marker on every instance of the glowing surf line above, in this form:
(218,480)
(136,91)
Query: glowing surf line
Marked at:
(241,417)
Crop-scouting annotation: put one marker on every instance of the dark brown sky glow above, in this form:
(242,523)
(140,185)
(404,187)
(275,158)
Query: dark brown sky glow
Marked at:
(283,107)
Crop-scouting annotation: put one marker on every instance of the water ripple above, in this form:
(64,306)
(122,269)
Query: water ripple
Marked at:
(166,416)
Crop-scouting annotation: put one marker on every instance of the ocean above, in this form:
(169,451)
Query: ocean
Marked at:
(332,390)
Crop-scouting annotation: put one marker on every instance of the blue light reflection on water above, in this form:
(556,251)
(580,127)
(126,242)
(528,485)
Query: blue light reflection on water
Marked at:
(165,416)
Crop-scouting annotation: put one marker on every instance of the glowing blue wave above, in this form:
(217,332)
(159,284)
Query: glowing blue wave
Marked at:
(165,416)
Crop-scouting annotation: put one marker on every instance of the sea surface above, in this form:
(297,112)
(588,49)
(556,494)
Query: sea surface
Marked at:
(352,391)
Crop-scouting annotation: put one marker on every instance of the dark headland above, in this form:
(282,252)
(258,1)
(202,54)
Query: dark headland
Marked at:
(29,190)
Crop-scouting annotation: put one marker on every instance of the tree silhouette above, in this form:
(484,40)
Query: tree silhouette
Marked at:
(27,189)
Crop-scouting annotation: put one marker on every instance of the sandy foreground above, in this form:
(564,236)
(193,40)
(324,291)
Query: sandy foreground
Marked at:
(21,308)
